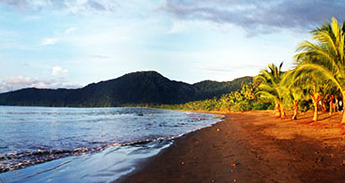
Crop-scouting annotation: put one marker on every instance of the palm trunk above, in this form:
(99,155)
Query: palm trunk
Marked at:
(336,105)
(282,112)
(295,110)
(315,111)
(324,109)
(278,112)
(343,119)
(331,105)
(316,98)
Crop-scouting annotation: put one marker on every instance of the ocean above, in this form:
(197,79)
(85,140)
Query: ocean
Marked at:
(47,144)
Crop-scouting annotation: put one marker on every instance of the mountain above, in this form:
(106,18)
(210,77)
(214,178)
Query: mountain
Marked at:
(135,88)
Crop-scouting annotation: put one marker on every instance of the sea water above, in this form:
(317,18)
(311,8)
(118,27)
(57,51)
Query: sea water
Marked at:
(45,144)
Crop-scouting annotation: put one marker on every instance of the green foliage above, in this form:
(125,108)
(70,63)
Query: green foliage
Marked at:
(270,86)
(241,106)
(209,89)
(261,105)
(134,89)
(306,105)
(324,57)
(241,100)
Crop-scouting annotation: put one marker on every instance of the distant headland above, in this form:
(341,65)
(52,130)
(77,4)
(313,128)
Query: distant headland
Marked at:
(137,88)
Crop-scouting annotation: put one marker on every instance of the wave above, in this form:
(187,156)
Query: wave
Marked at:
(105,166)
(18,160)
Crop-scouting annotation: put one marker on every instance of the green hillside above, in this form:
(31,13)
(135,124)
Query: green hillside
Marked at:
(209,89)
(137,88)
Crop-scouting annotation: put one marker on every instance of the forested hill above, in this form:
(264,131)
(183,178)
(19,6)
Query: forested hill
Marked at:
(131,89)
(210,89)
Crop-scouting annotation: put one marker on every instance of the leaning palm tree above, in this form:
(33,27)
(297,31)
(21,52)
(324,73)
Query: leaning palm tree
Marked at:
(270,87)
(326,55)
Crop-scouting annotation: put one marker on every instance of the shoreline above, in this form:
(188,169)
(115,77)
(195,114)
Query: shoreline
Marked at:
(252,147)
(117,157)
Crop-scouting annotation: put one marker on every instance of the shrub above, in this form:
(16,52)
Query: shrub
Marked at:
(242,106)
(260,105)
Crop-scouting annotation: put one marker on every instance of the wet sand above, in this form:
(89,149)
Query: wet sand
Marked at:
(253,147)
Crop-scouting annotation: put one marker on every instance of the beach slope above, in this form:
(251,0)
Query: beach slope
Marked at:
(253,147)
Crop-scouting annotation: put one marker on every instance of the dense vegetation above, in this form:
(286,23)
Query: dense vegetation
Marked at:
(317,82)
(241,100)
(134,89)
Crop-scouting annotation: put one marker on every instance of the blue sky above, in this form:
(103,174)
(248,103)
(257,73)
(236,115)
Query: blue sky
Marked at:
(71,43)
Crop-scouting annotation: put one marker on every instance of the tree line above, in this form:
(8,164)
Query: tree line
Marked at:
(316,82)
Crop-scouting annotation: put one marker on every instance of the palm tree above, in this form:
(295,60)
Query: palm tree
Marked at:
(270,87)
(296,89)
(312,85)
(315,93)
(297,94)
(326,55)
(329,94)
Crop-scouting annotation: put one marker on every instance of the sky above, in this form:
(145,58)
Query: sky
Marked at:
(71,43)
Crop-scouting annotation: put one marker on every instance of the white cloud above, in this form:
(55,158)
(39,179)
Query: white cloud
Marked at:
(19,82)
(49,41)
(56,71)
(15,83)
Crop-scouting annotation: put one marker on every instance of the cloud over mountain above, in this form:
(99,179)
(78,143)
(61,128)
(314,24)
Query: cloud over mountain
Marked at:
(15,83)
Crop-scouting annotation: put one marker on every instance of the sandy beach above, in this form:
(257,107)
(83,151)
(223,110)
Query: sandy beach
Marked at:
(253,147)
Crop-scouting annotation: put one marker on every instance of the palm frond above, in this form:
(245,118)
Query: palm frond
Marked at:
(322,70)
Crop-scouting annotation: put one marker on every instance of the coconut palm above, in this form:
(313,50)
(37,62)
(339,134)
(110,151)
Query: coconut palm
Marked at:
(325,56)
(297,94)
(296,88)
(270,87)
(313,86)
(329,94)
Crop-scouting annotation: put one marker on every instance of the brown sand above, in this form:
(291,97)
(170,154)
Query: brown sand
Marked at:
(253,147)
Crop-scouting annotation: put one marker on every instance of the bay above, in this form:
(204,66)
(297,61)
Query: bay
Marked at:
(45,144)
